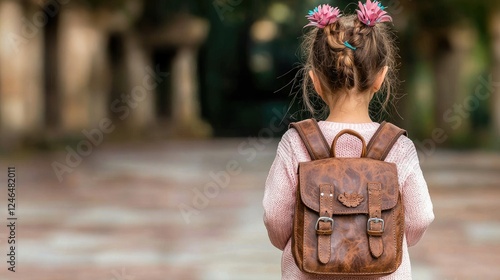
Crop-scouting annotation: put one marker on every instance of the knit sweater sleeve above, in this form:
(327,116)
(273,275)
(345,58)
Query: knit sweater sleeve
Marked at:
(279,195)
(418,205)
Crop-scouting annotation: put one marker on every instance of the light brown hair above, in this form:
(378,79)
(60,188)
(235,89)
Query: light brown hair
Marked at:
(340,68)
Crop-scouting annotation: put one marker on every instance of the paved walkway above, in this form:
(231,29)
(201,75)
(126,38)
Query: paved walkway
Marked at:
(169,211)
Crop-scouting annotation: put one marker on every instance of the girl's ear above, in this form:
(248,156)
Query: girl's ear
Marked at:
(316,83)
(380,79)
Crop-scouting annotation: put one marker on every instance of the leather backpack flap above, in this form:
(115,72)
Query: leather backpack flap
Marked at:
(349,176)
(352,249)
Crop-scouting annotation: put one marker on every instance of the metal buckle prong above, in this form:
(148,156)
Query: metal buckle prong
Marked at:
(324,219)
(375,220)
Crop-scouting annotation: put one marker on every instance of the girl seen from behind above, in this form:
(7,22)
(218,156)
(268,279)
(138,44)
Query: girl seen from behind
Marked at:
(350,59)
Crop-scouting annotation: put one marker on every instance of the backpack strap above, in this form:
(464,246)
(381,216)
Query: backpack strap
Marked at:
(313,138)
(382,141)
(375,225)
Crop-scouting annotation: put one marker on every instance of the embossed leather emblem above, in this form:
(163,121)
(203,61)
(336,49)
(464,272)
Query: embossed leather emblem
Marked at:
(351,199)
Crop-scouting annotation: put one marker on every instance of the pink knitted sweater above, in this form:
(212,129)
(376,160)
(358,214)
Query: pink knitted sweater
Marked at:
(281,184)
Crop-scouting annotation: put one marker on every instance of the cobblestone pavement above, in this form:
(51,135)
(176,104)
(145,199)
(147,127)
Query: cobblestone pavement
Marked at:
(166,211)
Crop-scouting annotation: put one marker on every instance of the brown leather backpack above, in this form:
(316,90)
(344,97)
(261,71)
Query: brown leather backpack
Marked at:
(349,216)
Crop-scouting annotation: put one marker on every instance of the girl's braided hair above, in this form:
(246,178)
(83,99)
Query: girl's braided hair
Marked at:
(347,54)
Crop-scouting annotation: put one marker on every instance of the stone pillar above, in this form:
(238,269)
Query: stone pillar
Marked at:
(11,101)
(495,98)
(186,114)
(133,106)
(81,45)
(99,86)
(185,33)
(21,79)
(33,77)
(141,84)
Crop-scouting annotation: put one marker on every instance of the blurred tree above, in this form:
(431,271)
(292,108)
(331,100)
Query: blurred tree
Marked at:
(494,86)
(453,39)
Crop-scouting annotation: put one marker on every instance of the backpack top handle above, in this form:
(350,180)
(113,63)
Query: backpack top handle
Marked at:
(353,133)
(378,148)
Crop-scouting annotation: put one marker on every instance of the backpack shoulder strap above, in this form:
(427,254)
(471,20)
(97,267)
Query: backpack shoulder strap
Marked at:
(313,138)
(382,141)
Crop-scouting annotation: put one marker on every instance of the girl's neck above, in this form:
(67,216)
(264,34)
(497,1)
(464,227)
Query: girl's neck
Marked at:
(350,108)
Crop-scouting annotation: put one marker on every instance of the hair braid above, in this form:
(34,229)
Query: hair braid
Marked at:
(343,56)
(340,68)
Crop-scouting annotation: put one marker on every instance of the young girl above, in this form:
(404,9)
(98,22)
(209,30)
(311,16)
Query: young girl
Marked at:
(349,60)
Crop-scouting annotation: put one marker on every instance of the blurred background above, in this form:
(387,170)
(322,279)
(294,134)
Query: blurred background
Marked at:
(142,132)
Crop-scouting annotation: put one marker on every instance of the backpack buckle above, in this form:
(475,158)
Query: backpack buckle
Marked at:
(375,232)
(323,231)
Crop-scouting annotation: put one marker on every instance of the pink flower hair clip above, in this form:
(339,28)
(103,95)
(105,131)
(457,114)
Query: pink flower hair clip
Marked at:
(372,13)
(323,15)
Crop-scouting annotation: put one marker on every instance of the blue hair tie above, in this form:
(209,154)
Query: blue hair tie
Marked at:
(349,46)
